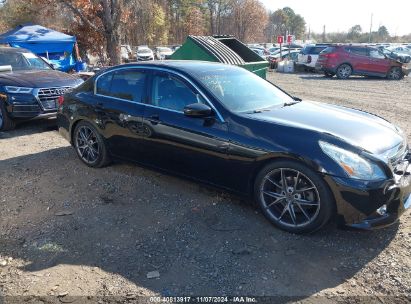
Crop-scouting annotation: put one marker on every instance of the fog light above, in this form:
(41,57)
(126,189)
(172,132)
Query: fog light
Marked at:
(382,210)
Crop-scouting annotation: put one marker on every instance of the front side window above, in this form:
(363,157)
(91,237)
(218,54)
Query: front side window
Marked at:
(173,94)
(374,53)
(242,91)
(124,84)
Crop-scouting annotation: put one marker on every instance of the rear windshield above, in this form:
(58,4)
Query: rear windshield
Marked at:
(313,50)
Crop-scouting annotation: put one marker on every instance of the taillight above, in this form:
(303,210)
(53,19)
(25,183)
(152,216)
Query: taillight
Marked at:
(309,59)
(60,100)
(331,55)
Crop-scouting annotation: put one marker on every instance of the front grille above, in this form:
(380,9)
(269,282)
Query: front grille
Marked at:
(48,97)
(17,108)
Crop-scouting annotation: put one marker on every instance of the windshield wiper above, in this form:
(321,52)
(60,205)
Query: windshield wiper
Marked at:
(290,103)
(258,111)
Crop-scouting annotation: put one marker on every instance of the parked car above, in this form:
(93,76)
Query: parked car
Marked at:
(347,60)
(125,57)
(273,60)
(223,125)
(401,57)
(261,52)
(144,53)
(283,50)
(29,87)
(400,49)
(309,55)
(163,53)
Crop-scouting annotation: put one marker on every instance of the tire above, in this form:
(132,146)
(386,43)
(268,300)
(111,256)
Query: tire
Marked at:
(344,71)
(6,123)
(329,75)
(90,146)
(395,73)
(312,208)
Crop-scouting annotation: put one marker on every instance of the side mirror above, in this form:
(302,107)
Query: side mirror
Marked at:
(197,110)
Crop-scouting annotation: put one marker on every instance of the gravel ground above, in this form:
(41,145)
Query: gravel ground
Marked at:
(67,230)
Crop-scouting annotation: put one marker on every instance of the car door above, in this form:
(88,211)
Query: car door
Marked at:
(358,59)
(195,147)
(119,107)
(378,63)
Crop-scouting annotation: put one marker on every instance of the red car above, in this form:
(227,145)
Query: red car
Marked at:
(346,60)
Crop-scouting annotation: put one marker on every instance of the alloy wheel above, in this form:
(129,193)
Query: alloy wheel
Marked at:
(87,145)
(290,197)
(395,74)
(344,71)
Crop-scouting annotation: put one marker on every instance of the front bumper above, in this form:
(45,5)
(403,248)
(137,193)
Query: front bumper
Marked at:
(370,205)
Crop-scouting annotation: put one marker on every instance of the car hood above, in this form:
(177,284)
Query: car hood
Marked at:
(40,79)
(360,129)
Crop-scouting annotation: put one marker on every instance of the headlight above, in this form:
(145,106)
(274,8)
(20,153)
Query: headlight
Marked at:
(354,165)
(18,90)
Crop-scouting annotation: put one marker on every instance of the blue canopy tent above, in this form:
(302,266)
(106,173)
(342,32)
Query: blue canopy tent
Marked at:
(55,46)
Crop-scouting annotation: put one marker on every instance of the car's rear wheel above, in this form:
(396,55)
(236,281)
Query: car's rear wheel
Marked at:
(395,73)
(344,71)
(90,145)
(293,197)
(6,123)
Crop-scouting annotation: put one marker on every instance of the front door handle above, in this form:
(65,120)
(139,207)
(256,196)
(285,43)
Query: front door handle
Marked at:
(99,107)
(154,119)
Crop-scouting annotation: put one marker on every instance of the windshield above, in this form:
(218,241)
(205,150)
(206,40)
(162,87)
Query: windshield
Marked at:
(241,91)
(144,51)
(23,61)
(164,49)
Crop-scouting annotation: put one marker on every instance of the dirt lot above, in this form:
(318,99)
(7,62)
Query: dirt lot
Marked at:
(68,230)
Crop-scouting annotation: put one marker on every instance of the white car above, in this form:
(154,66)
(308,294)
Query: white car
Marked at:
(309,55)
(144,53)
(259,52)
(163,53)
(124,54)
(400,49)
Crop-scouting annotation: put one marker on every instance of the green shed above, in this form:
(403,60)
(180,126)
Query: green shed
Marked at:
(224,49)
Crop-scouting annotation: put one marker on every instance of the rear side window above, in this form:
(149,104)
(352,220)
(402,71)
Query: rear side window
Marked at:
(357,51)
(328,50)
(312,50)
(125,84)
(103,84)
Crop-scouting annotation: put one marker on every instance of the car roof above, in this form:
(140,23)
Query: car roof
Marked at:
(191,67)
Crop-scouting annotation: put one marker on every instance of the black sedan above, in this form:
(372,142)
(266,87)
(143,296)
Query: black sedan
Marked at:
(304,163)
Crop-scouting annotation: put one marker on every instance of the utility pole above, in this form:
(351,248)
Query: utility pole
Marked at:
(324,33)
(369,38)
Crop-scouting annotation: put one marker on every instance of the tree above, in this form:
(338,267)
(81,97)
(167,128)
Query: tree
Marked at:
(249,19)
(286,21)
(383,33)
(354,33)
(108,23)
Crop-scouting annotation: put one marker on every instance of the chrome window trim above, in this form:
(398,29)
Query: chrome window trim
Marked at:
(220,117)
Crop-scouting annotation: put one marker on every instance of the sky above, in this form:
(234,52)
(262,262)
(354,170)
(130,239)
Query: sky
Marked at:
(339,15)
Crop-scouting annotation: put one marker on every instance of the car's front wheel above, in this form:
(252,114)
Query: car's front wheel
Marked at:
(344,71)
(90,145)
(6,123)
(395,73)
(293,197)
